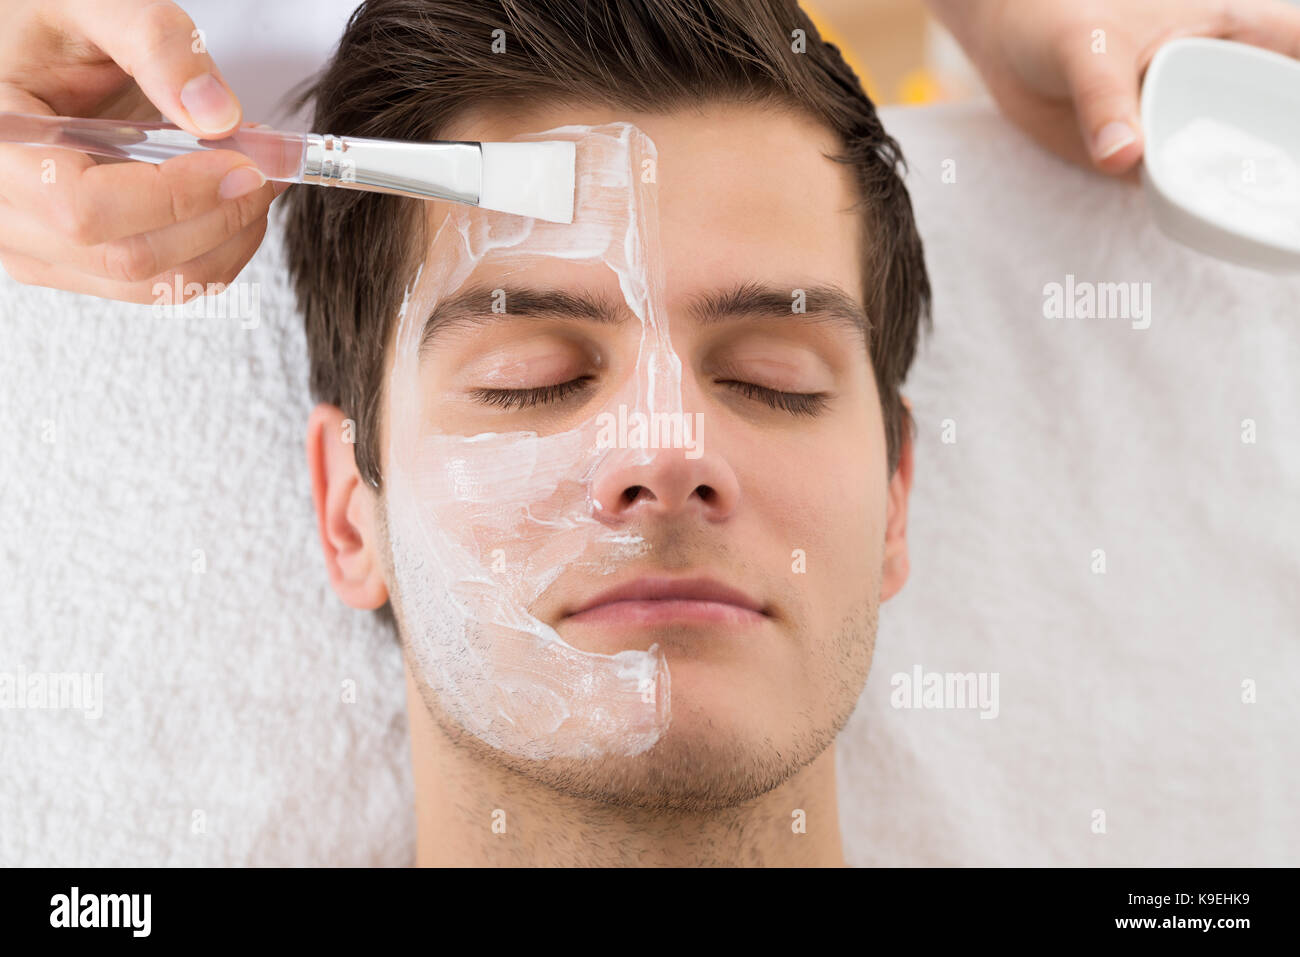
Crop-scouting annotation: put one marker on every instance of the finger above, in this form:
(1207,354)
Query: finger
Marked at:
(100,203)
(138,257)
(29,166)
(277,185)
(14,99)
(1274,26)
(225,263)
(156,43)
(1101,72)
(220,266)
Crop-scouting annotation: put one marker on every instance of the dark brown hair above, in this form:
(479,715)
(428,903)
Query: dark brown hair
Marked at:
(405,69)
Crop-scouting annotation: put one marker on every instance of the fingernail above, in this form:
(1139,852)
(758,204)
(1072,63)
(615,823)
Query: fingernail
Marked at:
(240,182)
(1112,138)
(209,104)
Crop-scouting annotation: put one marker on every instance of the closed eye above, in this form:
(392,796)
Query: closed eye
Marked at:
(796,403)
(528,398)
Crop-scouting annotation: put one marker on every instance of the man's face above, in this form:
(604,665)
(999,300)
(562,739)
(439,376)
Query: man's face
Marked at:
(786,505)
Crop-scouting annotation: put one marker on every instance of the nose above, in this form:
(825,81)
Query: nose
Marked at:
(640,484)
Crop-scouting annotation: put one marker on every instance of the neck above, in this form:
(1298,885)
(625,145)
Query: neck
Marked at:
(472,812)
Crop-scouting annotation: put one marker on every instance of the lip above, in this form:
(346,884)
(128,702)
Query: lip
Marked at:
(665,601)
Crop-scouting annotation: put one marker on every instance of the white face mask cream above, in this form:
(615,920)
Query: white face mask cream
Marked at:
(481,525)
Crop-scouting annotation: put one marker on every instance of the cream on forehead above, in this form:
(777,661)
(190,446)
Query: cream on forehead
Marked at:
(480,526)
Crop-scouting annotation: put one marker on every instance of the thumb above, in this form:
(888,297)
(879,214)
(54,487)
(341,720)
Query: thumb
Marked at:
(158,45)
(1102,76)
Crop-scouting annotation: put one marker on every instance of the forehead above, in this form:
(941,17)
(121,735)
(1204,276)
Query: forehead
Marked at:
(746,192)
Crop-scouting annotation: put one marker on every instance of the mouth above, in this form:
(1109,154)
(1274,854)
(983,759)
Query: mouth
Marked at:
(651,601)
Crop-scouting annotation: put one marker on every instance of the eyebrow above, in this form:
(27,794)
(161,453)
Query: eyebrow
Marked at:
(747,300)
(752,300)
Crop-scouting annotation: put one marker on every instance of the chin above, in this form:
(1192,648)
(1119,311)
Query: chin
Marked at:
(705,761)
(727,744)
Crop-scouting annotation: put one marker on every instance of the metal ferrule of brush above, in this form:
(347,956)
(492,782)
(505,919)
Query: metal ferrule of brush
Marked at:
(450,171)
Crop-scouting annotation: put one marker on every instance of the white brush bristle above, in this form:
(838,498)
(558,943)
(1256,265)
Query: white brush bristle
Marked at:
(529,179)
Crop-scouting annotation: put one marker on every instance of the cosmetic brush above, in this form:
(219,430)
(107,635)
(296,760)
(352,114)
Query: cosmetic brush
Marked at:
(534,178)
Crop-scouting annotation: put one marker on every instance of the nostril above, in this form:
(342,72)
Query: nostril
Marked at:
(632,493)
(706,494)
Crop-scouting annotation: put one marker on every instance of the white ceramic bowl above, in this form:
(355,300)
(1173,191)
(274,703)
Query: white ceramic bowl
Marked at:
(1254,90)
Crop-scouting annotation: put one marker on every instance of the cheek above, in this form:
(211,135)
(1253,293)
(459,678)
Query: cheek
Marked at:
(838,503)
(827,497)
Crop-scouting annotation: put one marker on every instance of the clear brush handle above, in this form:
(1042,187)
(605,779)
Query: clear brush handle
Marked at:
(278,155)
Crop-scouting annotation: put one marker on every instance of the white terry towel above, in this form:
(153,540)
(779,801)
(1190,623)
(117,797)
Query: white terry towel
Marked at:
(1121,694)
(156,528)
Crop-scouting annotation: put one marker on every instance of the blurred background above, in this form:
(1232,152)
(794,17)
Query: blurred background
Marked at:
(901,52)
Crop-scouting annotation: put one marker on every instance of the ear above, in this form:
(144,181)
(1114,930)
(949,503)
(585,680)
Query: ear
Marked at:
(345,510)
(895,568)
